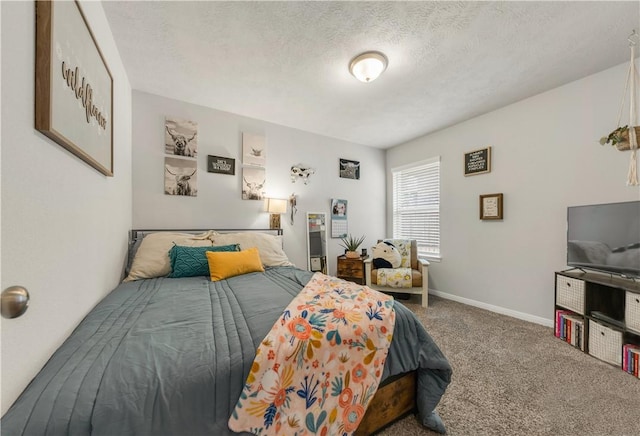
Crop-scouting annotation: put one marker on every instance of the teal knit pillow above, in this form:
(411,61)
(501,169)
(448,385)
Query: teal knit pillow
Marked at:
(192,261)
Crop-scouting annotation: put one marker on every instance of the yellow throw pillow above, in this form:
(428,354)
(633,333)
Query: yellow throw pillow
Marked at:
(223,265)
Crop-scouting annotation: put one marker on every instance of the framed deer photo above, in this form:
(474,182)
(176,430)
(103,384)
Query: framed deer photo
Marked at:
(74,87)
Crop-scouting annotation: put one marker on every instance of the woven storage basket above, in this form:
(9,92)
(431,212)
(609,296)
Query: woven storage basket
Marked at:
(570,293)
(605,343)
(632,311)
(624,135)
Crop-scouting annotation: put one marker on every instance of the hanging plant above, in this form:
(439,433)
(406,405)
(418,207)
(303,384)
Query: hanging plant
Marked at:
(619,138)
(627,138)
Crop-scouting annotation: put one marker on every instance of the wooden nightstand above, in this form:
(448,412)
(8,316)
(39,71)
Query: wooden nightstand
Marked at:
(351,269)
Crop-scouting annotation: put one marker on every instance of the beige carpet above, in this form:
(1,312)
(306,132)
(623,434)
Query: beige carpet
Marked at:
(512,377)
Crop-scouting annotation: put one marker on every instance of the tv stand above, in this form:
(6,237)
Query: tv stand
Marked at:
(599,314)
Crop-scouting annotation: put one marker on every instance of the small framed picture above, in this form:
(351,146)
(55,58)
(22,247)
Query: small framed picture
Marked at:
(349,169)
(181,137)
(491,207)
(221,165)
(477,162)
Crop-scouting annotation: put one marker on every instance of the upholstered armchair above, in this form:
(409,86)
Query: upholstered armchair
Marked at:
(417,268)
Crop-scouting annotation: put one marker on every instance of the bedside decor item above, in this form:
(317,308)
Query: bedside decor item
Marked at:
(626,137)
(351,245)
(367,66)
(74,87)
(181,137)
(275,206)
(221,165)
(349,169)
(491,207)
(477,162)
(180,177)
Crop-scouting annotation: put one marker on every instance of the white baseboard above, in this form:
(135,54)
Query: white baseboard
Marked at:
(497,309)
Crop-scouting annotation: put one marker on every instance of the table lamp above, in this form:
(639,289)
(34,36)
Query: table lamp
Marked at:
(275,206)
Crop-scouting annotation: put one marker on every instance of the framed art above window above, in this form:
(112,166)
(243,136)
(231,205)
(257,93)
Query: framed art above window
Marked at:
(74,87)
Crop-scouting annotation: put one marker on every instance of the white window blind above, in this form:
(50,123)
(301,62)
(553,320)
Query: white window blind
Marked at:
(416,205)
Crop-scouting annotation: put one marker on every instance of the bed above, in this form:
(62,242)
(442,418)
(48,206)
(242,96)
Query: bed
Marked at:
(169,356)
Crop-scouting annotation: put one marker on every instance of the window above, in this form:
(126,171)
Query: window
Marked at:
(416,205)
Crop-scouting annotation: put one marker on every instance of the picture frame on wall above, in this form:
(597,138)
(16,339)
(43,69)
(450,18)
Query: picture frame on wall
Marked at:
(477,162)
(349,169)
(180,176)
(254,150)
(181,137)
(491,207)
(253,183)
(221,165)
(74,87)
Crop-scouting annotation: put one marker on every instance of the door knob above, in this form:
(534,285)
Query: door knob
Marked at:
(14,301)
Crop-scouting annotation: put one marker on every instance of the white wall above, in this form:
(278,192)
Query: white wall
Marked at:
(219,203)
(545,157)
(64,225)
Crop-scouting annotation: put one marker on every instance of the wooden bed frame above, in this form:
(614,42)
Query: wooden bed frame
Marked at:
(394,399)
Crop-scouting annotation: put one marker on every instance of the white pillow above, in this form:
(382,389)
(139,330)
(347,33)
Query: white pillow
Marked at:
(152,258)
(269,246)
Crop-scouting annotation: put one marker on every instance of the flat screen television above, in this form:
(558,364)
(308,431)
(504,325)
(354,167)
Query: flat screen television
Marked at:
(605,237)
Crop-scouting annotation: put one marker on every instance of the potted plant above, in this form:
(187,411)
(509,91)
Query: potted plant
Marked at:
(351,244)
(619,138)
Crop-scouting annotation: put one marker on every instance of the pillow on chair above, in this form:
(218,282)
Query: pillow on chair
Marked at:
(385,255)
(404,248)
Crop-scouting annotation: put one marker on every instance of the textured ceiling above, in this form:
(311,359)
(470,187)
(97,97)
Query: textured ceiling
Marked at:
(286,62)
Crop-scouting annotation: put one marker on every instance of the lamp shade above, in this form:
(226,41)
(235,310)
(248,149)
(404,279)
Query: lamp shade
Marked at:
(367,67)
(275,205)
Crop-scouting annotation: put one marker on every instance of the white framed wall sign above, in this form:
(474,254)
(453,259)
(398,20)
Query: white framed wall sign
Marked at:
(74,87)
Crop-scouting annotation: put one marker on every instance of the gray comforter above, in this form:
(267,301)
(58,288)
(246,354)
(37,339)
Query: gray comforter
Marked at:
(170,357)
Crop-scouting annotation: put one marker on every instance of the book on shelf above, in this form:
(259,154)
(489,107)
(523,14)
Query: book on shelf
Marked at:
(630,356)
(559,324)
(577,331)
(569,327)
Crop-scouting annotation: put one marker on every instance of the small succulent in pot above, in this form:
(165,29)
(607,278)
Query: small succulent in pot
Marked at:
(351,244)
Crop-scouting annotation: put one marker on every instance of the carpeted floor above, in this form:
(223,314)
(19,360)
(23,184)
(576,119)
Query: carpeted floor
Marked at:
(512,377)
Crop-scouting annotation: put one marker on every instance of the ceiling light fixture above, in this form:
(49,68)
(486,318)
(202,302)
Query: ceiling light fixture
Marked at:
(368,66)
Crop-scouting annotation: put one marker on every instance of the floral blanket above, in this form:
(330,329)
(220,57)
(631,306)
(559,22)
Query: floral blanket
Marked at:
(319,367)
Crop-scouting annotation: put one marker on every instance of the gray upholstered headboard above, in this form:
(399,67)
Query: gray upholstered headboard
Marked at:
(136,235)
